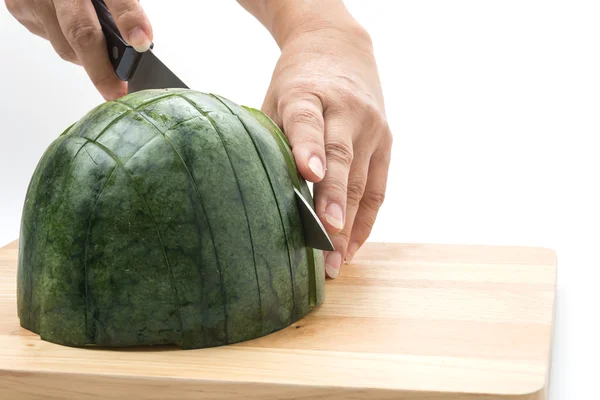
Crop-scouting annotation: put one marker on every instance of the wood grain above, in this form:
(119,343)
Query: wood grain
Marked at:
(402,322)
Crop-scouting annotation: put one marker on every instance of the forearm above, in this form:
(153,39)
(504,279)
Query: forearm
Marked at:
(286,19)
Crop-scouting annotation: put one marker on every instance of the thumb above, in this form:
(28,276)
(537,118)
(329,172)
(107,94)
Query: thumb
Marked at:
(132,23)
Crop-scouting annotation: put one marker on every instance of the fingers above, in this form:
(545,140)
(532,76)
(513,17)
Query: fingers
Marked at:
(80,26)
(74,31)
(330,193)
(356,185)
(46,14)
(132,23)
(371,200)
(303,124)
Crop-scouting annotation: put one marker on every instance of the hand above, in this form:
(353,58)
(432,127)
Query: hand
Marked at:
(73,29)
(326,96)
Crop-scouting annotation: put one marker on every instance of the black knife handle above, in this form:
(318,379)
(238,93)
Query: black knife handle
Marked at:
(123,57)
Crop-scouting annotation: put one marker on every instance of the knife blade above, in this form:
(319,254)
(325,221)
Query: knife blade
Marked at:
(315,234)
(145,71)
(151,73)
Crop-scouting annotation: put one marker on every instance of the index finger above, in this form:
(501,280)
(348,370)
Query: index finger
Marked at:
(79,23)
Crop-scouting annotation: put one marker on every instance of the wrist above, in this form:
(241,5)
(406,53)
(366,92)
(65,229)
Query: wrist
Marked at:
(288,20)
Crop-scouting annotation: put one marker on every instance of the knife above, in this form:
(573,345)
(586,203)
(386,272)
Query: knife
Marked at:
(144,71)
(314,232)
(140,70)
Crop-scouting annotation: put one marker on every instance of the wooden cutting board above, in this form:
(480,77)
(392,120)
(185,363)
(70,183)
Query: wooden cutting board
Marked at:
(402,322)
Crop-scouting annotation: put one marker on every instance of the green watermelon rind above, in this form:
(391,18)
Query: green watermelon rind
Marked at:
(315,256)
(50,282)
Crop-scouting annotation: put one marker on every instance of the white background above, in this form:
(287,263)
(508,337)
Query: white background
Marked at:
(494,107)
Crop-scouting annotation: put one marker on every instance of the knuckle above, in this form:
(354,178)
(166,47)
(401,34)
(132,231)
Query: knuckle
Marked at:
(350,100)
(342,237)
(339,151)
(335,187)
(298,90)
(356,188)
(127,15)
(364,226)
(388,138)
(102,80)
(82,34)
(13,6)
(36,30)
(67,55)
(314,142)
(376,122)
(375,116)
(302,87)
(373,200)
(311,118)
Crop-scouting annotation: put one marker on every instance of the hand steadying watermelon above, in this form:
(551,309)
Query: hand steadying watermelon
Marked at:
(165,217)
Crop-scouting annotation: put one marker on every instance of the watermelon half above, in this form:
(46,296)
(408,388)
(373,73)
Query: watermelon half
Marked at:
(166,217)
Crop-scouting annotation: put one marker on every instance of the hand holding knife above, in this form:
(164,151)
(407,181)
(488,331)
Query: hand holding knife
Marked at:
(141,70)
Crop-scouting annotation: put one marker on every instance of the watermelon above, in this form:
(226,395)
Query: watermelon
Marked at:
(165,217)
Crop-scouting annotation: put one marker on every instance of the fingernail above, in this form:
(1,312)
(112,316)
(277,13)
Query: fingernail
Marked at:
(332,264)
(139,40)
(316,166)
(111,96)
(334,216)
